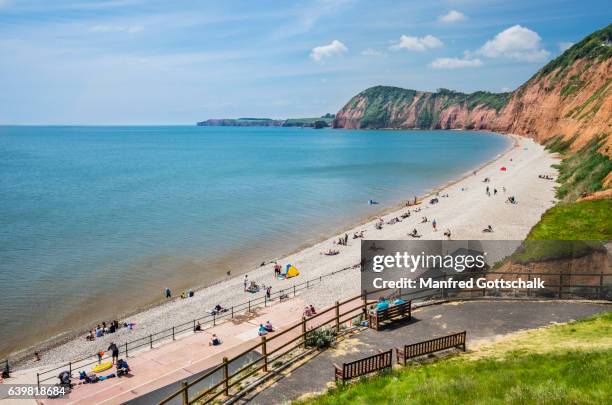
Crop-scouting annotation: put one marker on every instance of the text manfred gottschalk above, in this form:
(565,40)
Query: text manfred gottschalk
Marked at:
(426,269)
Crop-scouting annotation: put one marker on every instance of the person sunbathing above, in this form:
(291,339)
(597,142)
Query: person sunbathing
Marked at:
(331,252)
(268,326)
(423,220)
(414,234)
(488,229)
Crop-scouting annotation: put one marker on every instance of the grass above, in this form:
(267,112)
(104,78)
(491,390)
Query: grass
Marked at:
(586,220)
(583,171)
(562,364)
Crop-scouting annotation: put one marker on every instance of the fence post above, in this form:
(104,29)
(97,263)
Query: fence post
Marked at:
(70,368)
(560,285)
(215,319)
(173,338)
(304,329)
(226,375)
(528,282)
(265,299)
(307,284)
(249,305)
(601,277)
(293,290)
(337,316)
(38,380)
(151,340)
(126,350)
(264,352)
(185,393)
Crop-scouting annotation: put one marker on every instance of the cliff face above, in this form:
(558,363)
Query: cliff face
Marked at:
(569,97)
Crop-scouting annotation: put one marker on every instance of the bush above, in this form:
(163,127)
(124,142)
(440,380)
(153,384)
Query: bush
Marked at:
(320,338)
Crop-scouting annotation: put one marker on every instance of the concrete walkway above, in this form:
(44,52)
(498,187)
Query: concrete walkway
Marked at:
(483,321)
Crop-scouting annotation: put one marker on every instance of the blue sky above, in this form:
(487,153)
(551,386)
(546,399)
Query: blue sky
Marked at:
(177,62)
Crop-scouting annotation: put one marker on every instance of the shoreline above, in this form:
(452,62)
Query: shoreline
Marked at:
(71,337)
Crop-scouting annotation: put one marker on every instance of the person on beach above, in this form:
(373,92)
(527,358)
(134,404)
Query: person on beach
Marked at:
(433,224)
(36,356)
(99,331)
(168,293)
(399,301)
(245,282)
(114,350)
(198,327)
(268,292)
(214,341)
(488,229)
(447,233)
(268,326)
(100,355)
(307,312)
(91,336)
(312,309)
(262,331)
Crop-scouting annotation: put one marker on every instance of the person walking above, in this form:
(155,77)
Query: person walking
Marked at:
(115,351)
(434,224)
(168,293)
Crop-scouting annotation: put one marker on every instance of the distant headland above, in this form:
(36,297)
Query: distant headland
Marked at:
(316,122)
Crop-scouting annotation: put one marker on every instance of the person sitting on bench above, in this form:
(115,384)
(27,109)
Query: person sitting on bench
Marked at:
(382,304)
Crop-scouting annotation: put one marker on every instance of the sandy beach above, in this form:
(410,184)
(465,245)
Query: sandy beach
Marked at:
(465,212)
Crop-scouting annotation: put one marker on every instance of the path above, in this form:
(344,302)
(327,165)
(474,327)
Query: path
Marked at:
(483,320)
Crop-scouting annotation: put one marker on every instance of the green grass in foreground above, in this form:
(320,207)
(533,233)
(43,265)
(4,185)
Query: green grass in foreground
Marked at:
(586,220)
(563,364)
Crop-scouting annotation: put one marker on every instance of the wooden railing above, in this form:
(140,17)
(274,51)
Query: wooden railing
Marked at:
(339,315)
(207,321)
(430,346)
(361,367)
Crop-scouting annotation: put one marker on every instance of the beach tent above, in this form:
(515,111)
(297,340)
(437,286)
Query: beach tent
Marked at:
(290,271)
(503,168)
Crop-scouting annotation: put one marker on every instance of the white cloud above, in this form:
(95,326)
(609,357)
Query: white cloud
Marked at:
(371,52)
(455,63)
(416,43)
(453,16)
(564,46)
(516,42)
(116,28)
(334,48)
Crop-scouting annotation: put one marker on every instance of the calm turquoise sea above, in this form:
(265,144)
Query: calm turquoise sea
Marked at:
(91,214)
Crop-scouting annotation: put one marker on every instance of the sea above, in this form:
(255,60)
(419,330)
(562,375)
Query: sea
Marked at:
(95,221)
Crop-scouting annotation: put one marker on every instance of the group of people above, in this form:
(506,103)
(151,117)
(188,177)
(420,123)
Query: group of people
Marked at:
(264,329)
(383,303)
(309,311)
(103,329)
(342,241)
(545,177)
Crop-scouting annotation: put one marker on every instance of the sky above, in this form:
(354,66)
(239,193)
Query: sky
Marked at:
(130,62)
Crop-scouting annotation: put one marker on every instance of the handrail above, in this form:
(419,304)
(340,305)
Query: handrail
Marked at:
(125,347)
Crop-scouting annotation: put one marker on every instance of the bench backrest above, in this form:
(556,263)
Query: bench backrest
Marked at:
(369,364)
(393,311)
(434,345)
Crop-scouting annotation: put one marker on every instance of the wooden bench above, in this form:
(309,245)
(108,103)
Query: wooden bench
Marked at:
(380,318)
(430,346)
(357,368)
